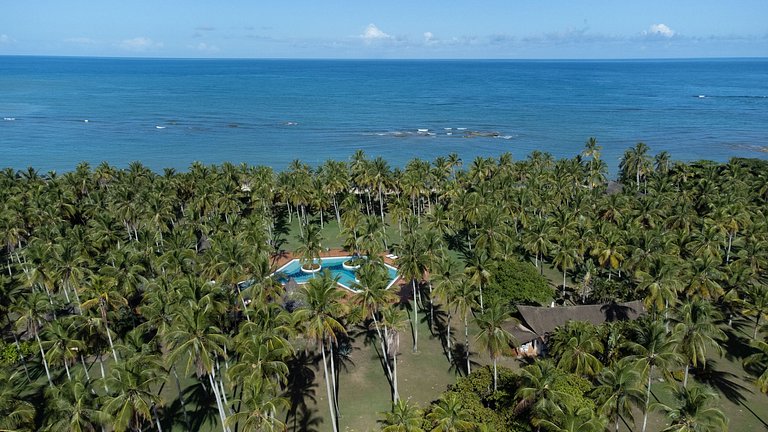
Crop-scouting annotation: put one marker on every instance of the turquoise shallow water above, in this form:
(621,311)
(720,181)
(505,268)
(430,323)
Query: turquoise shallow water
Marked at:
(292,270)
(169,113)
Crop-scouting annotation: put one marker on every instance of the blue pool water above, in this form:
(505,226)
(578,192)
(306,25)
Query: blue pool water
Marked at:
(292,270)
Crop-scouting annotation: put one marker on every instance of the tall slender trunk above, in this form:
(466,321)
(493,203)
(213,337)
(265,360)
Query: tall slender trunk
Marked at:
(495,375)
(216,396)
(415,320)
(431,307)
(563,283)
(336,209)
(334,379)
(466,342)
(647,398)
(328,387)
(448,339)
(482,306)
(181,395)
(101,367)
(685,377)
(384,350)
(85,367)
(109,337)
(394,367)
(45,362)
(728,252)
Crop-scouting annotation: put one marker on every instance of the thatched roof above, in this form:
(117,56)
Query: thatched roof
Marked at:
(543,320)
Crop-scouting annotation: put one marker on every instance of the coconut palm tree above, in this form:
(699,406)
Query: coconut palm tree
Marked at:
(411,264)
(537,393)
(132,397)
(447,278)
(63,346)
(450,415)
(404,417)
(394,321)
(696,331)
(16,413)
(492,336)
(653,348)
(311,246)
(102,294)
(758,362)
(478,271)
(196,342)
(319,313)
(72,406)
(576,346)
(694,410)
(618,390)
(32,310)
(755,303)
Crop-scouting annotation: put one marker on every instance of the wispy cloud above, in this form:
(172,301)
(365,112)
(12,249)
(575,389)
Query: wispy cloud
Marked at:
(80,41)
(205,47)
(5,39)
(373,33)
(139,44)
(205,28)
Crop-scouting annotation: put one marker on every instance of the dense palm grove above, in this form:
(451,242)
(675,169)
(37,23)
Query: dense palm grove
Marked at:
(124,305)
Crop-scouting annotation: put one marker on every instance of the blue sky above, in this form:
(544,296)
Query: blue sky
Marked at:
(574,29)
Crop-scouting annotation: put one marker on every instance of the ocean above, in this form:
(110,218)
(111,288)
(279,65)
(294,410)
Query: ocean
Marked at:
(59,111)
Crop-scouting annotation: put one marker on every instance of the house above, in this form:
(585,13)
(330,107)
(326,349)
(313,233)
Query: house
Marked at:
(538,322)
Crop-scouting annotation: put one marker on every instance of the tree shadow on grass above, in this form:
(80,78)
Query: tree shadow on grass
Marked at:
(459,363)
(722,381)
(301,389)
(736,345)
(201,407)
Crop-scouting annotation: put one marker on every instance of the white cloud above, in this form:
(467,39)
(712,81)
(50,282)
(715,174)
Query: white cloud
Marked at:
(204,47)
(5,39)
(429,38)
(373,33)
(660,30)
(139,44)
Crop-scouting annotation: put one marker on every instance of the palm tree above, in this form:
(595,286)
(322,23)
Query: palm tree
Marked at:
(696,331)
(755,303)
(492,336)
(72,406)
(62,343)
(464,301)
(537,392)
(102,293)
(447,279)
(311,246)
(132,398)
(758,362)
(196,341)
(566,256)
(449,415)
(411,265)
(618,390)
(394,321)
(653,348)
(478,271)
(16,413)
(576,345)
(319,313)
(32,310)
(404,417)
(695,410)
(635,162)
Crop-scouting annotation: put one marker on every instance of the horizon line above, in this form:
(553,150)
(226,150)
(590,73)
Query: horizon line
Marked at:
(543,59)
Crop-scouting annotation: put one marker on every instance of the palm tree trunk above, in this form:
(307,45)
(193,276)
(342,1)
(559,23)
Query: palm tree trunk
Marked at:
(394,366)
(563,283)
(18,348)
(336,208)
(85,367)
(482,307)
(685,378)
(328,387)
(728,252)
(647,398)
(448,338)
(334,379)
(495,375)
(45,362)
(415,319)
(466,342)
(109,337)
(66,368)
(101,367)
(222,415)
(431,307)
(384,350)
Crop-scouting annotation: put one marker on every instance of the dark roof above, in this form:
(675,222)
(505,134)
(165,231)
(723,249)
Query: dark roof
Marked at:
(543,320)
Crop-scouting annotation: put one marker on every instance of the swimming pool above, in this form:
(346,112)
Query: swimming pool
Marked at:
(292,270)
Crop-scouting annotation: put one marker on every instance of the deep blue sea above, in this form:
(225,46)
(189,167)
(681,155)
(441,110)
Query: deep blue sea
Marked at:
(58,111)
